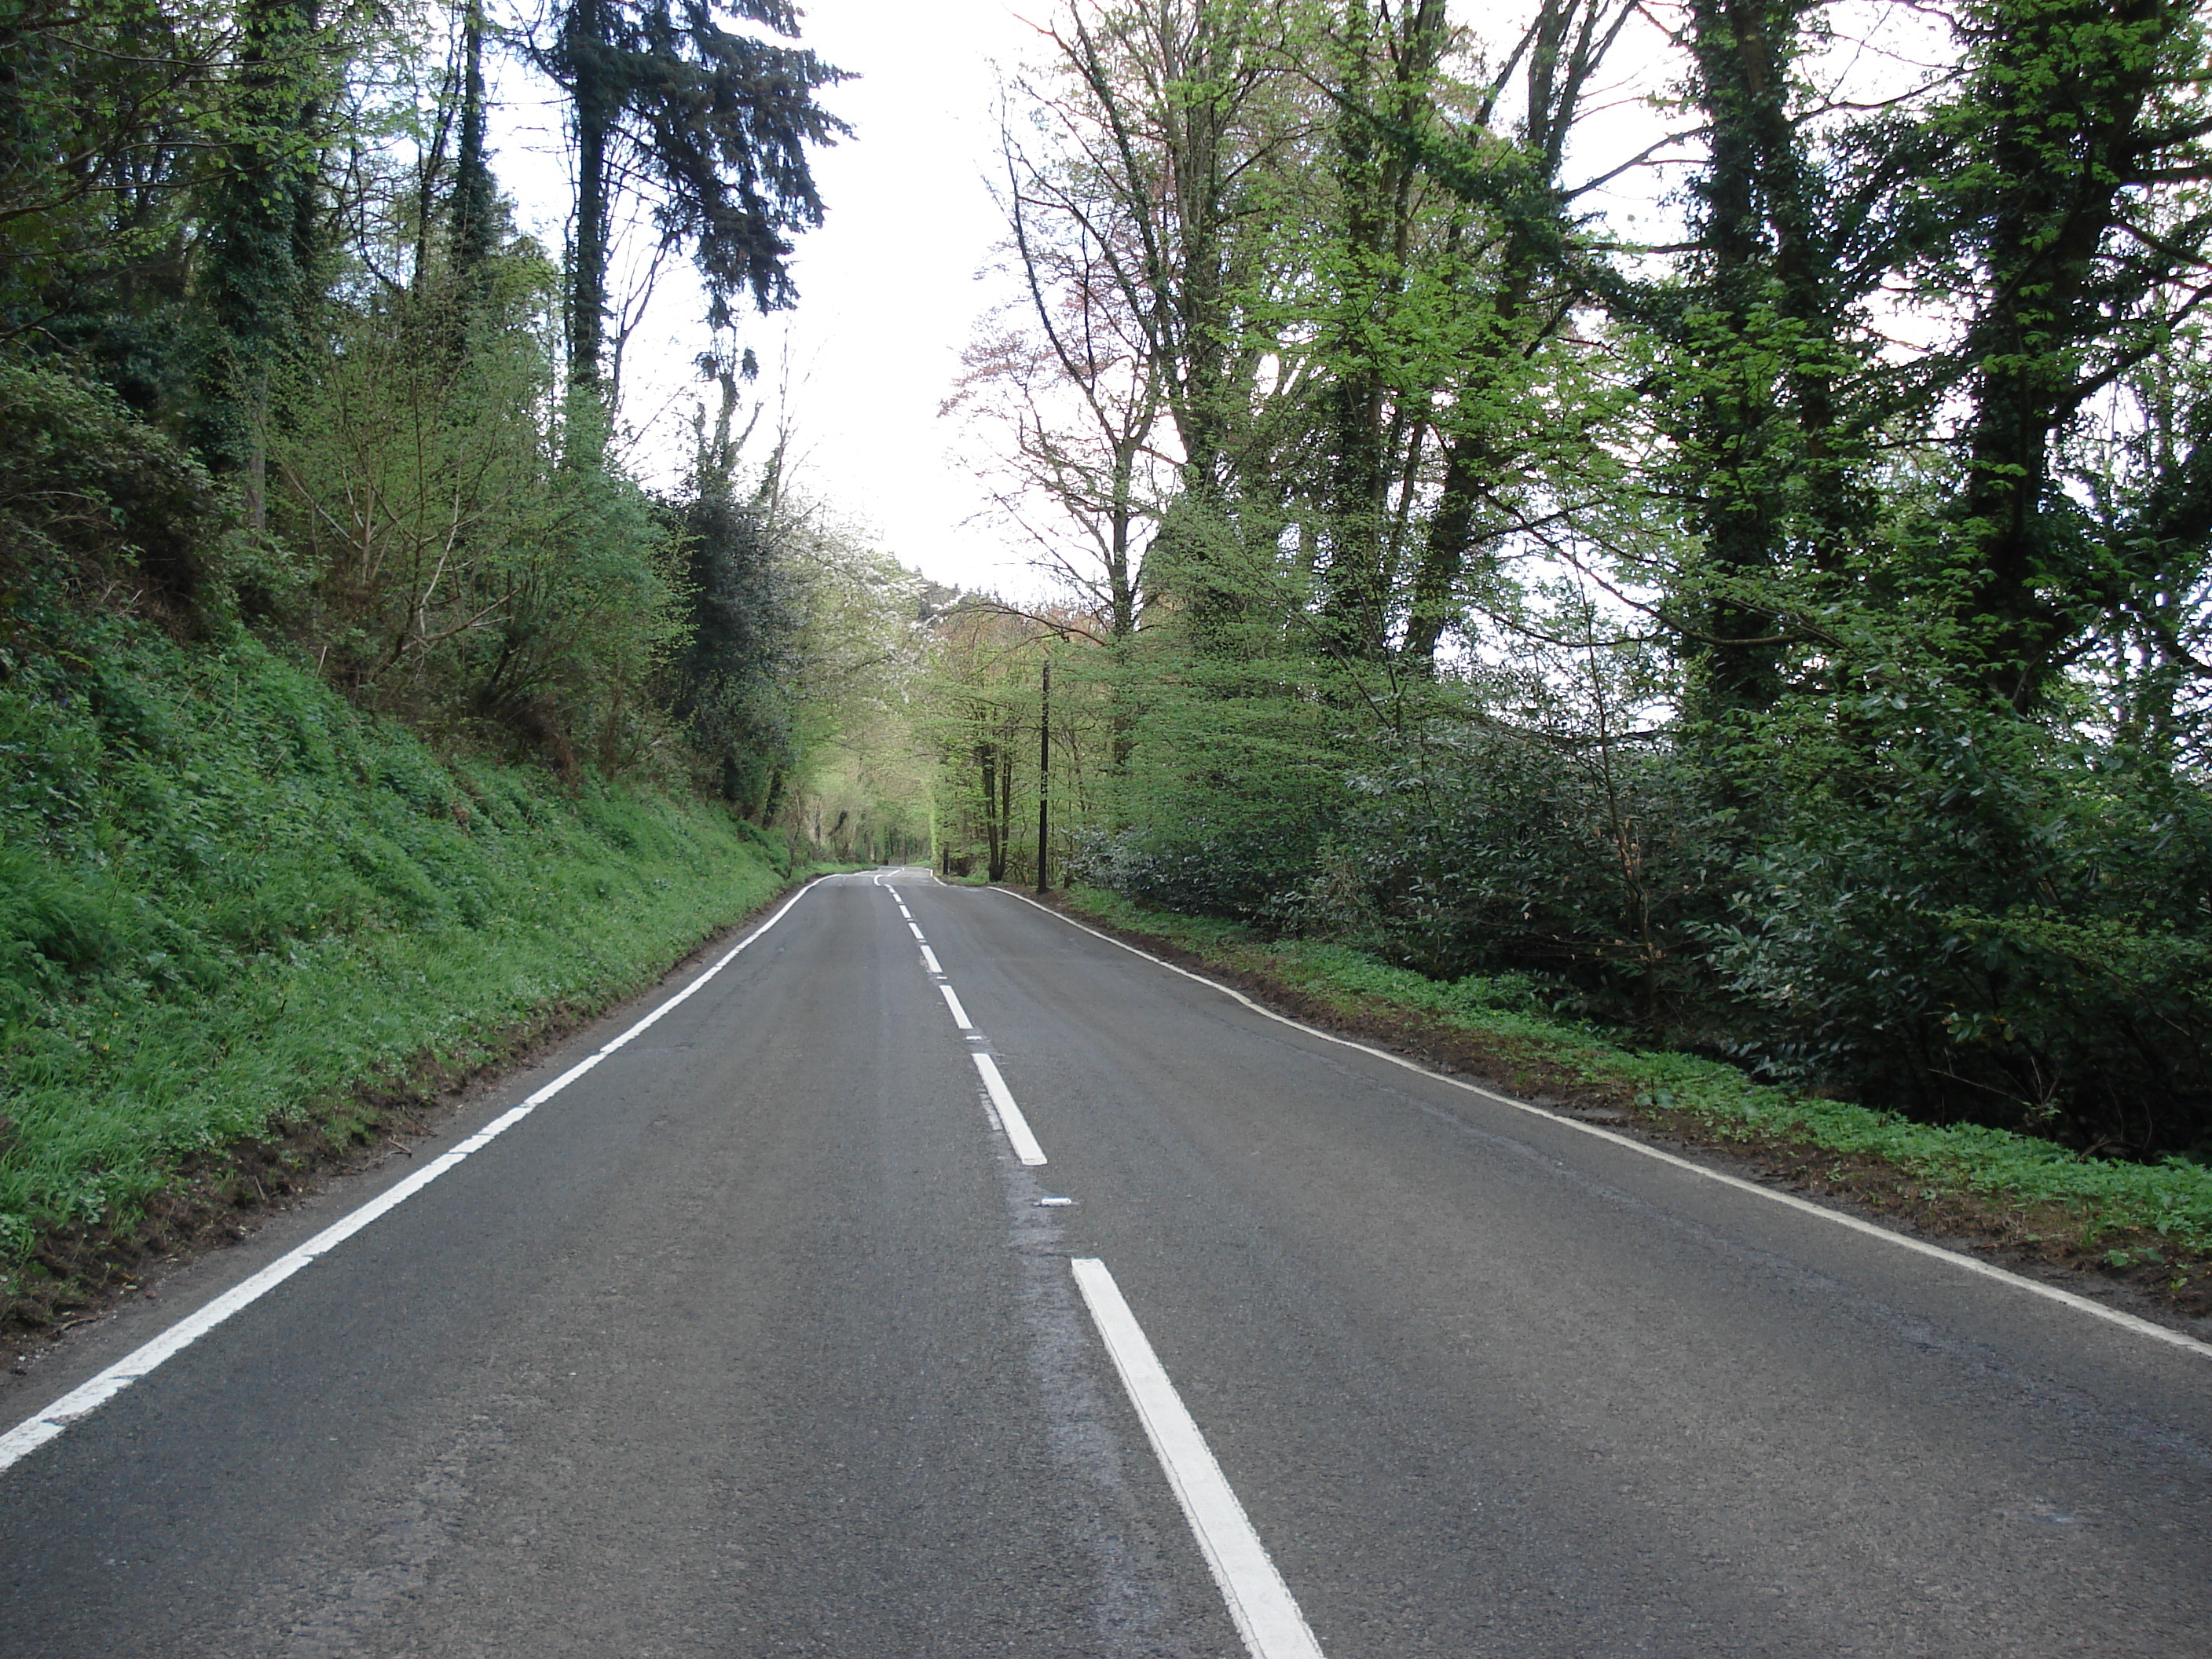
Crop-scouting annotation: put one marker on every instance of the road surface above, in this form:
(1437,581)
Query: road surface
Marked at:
(756,1338)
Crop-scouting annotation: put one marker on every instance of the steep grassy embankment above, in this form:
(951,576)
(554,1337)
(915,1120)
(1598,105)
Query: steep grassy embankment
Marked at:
(233,907)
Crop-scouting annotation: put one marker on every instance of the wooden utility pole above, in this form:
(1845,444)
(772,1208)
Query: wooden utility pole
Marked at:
(1044,777)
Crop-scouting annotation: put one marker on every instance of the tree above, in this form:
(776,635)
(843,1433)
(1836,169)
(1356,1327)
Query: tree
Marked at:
(265,222)
(2079,137)
(712,125)
(1171,122)
(105,109)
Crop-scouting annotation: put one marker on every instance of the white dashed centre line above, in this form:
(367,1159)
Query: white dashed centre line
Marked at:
(1266,1614)
(915,931)
(1010,1115)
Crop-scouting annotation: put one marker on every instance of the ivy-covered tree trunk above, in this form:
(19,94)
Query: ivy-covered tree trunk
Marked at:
(263,215)
(1369,407)
(476,202)
(2057,131)
(596,97)
(1736,453)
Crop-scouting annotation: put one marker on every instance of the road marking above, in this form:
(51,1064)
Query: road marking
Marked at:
(915,931)
(2127,1321)
(929,961)
(83,1401)
(1266,1613)
(1010,1115)
(959,1014)
(907,914)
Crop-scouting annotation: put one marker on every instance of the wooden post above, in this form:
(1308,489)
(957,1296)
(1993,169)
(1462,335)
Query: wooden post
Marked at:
(1044,777)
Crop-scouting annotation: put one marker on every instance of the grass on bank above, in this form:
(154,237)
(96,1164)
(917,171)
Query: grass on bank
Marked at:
(2150,1217)
(231,905)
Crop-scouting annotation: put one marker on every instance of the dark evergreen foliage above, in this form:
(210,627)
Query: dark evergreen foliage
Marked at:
(713,123)
(730,680)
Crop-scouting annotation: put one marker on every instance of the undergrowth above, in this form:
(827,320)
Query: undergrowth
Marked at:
(228,901)
(2170,1201)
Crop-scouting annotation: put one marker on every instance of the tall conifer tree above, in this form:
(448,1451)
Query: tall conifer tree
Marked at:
(715,124)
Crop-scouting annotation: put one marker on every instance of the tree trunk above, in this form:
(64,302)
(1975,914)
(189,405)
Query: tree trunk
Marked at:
(261,254)
(475,205)
(2065,159)
(593,103)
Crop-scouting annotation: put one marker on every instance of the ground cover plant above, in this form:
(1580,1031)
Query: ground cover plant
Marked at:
(229,900)
(2148,1223)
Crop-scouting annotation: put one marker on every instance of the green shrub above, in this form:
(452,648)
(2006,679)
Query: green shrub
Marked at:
(1997,927)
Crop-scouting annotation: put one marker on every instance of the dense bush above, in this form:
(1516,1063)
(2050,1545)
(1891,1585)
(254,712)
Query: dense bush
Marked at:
(457,563)
(90,497)
(1921,898)
(1239,773)
(1489,848)
(1994,924)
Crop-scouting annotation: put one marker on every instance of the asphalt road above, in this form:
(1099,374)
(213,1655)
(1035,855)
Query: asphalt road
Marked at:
(755,1341)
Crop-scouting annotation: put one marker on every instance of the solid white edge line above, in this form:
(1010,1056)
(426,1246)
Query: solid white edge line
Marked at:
(959,1014)
(2127,1321)
(929,960)
(1010,1115)
(1266,1614)
(88,1397)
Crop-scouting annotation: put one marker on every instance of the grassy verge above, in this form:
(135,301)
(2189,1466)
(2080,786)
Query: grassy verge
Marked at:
(2149,1225)
(240,923)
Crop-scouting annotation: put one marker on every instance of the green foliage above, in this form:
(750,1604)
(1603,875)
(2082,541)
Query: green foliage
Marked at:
(106,108)
(1483,847)
(1791,639)
(228,898)
(1239,776)
(454,567)
(732,678)
(1993,924)
(91,497)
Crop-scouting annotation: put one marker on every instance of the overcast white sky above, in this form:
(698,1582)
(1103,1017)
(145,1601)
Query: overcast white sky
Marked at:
(889,286)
